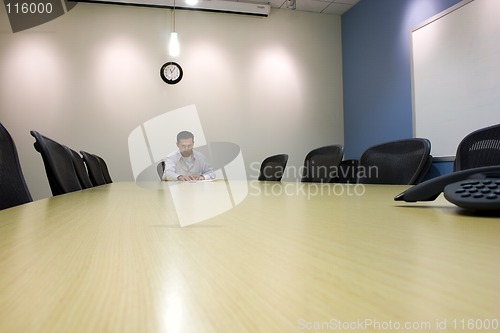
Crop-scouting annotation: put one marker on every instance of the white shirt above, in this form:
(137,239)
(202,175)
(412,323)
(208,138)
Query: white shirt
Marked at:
(196,164)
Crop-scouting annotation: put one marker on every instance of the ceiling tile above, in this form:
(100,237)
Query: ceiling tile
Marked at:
(312,5)
(347,2)
(336,8)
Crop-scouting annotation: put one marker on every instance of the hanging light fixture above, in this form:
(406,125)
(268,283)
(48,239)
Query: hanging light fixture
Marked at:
(173,45)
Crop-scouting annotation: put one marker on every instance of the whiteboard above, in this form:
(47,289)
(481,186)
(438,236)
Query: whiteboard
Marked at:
(456,74)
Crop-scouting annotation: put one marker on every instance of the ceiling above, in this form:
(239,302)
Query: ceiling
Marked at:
(338,7)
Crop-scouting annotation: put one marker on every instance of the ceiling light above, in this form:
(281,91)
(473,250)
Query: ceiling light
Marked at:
(174,48)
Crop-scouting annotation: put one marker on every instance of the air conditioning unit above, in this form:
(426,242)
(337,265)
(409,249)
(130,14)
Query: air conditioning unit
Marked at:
(232,7)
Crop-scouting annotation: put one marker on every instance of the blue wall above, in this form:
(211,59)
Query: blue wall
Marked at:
(377,71)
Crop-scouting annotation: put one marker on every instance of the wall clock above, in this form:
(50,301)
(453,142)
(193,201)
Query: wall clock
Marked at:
(171,72)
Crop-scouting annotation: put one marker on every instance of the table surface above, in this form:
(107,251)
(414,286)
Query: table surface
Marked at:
(289,257)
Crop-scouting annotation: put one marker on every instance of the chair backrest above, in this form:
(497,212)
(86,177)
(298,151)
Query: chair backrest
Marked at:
(348,172)
(81,170)
(160,168)
(321,164)
(479,148)
(425,170)
(58,163)
(13,188)
(104,169)
(94,168)
(402,162)
(273,167)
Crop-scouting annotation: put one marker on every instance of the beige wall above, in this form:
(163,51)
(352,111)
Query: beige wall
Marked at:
(88,78)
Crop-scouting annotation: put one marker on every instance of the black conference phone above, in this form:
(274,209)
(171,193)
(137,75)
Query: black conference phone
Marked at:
(472,189)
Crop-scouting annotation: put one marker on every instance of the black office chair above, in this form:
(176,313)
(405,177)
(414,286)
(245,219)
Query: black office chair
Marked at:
(348,172)
(273,167)
(94,168)
(160,168)
(321,164)
(13,188)
(104,169)
(402,162)
(81,170)
(479,148)
(58,163)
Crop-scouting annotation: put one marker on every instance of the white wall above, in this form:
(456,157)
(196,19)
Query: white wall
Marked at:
(88,78)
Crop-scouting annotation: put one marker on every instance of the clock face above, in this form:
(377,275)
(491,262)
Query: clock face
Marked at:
(171,72)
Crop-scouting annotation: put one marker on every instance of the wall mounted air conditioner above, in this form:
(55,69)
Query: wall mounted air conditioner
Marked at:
(223,6)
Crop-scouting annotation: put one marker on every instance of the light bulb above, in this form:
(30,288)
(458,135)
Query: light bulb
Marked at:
(192,2)
(173,46)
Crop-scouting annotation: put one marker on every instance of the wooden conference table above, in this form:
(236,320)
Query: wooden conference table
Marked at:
(290,257)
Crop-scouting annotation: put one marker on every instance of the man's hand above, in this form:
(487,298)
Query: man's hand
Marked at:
(190,178)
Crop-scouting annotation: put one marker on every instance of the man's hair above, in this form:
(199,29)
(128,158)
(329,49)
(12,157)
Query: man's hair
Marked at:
(184,135)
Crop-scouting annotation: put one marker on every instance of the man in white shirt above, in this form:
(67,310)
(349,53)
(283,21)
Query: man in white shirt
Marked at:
(187,164)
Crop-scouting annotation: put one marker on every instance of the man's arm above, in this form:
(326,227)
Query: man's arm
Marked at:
(207,172)
(169,172)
